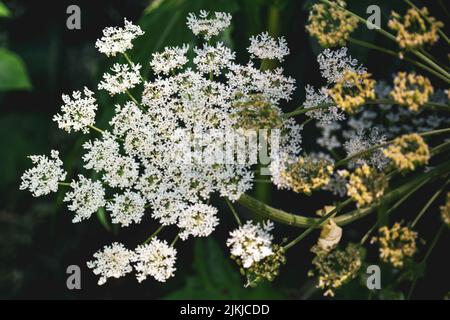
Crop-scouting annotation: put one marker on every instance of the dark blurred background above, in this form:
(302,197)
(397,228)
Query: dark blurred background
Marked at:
(42,59)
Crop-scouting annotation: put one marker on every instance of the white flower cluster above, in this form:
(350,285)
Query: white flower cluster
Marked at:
(333,64)
(208,27)
(118,40)
(44,177)
(123,78)
(198,220)
(263,46)
(165,150)
(87,196)
(156,259)
(170,59)
(251,242)
(78,111)
(113,262)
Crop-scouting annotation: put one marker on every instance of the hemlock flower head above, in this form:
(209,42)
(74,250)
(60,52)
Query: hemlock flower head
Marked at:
(263,46)
(353,90)
(206,25)
(44,177)
(126,208)
(337,267)
(251,243)
(397,244)
(445,210)
(156,259)
(366,185)
(78,111)
(118,40)
(407,152)
(321,97)
(170,59)
(301,175)
(122,79)
(411,90)
(113,261)
(331,25)
(86,197)
(198,220)
(415,29)
(212,59)
(121,172)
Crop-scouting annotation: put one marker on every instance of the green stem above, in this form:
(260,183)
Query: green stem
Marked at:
(154,234)
(65,184)
(301,221)
(391,209)
(132,64)
(175,240)
(395,54)
(318,223)
(430,249)
(428,204)
(236,216)
(96,129)
(132,98)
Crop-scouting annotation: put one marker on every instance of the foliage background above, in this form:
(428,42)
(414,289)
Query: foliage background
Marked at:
(40,59)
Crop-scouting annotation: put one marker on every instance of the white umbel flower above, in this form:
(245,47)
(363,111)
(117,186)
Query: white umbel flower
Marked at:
(333,64)
(121,172)
(199,220)
(43,178)
(155,259)
(127,208)
(208,27)
(263,46)
(170,59)
(123,78)
(118,40)
(86,197)
(78,111)
(113,262)
(321,97)
(210,59)
(251,242)
(100,152)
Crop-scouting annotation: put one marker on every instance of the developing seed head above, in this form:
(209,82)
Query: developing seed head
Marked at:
(408,151)
(265,269)
(411,90)
(366,185)
(397,244)
(307,174)
(415,29)
(445,211)
(331,26)
(353,90)
(337,267)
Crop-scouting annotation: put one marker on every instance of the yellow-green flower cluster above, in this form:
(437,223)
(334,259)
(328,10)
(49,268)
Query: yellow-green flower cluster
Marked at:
(366,185)
(408,151)
(258,113)
(415,29)
(411,90)
(337,267)
(445,211)
(396,244)
(265,269)
(330,25)
(307,174)
(352,90)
